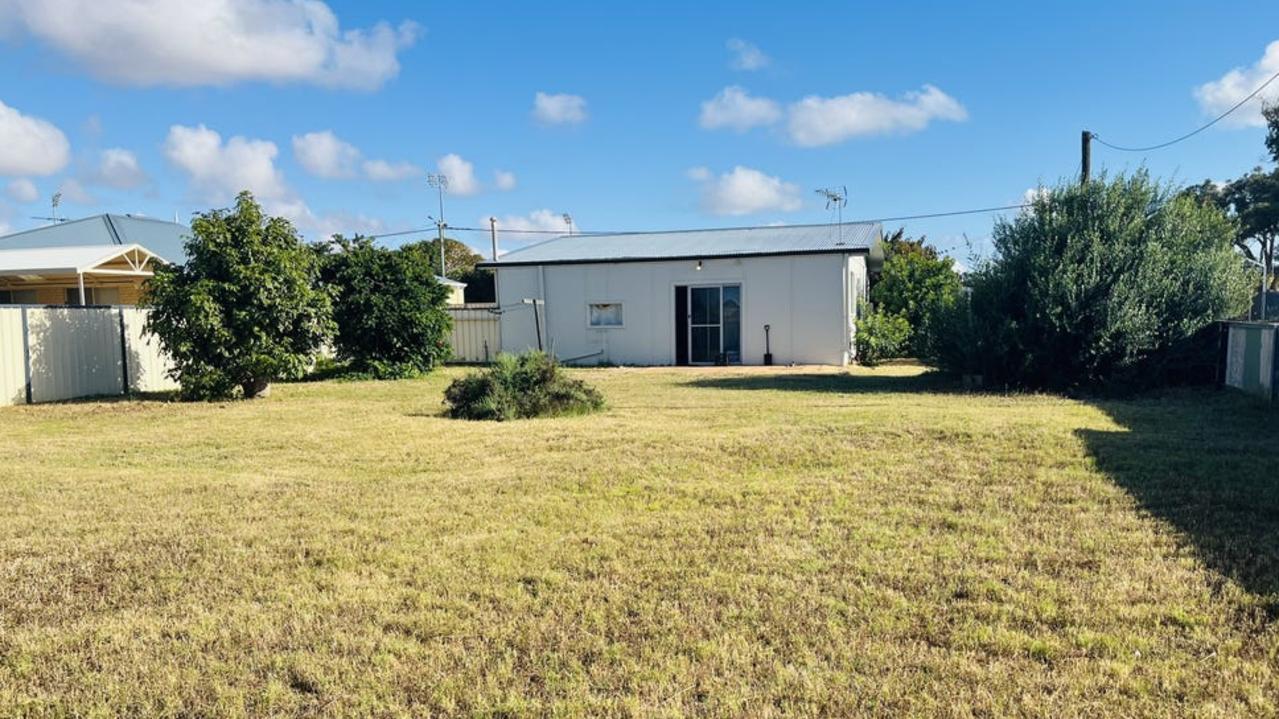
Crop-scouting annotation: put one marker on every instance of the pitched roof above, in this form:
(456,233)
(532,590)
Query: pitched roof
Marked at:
(163,238)
(64,260)
(446,281)
(694,244)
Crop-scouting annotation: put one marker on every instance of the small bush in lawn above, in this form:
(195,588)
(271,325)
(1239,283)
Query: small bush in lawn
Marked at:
(881,336)
(519,387)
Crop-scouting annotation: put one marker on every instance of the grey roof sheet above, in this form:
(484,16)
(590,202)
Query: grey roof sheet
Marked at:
(161,237)
(676,244)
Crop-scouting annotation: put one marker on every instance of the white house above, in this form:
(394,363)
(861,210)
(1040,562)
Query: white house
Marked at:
(725,296)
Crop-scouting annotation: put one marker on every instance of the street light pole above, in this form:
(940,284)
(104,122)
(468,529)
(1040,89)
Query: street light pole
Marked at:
(441,183)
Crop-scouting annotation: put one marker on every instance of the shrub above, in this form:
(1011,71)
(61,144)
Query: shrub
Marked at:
(1102,286)
(388,307)
(244,310)
(914,279)
(880,336)
(520,387)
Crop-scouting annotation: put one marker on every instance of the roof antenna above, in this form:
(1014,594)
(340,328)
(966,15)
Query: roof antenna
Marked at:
(568,220)
(838,198)
(57,200)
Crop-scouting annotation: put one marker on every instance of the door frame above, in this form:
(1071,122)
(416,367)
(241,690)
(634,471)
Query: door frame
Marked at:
(688,324)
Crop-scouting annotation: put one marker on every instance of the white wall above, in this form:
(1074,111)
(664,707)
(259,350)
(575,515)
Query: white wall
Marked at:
(803,297)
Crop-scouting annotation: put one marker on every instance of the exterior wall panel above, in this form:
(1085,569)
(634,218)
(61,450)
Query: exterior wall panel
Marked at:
(801,298)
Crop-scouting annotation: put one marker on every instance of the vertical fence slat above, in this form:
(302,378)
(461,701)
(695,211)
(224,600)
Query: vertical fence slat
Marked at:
(475,329)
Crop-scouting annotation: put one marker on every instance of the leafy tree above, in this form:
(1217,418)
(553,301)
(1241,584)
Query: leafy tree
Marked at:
(1252,201)
(914,279)
(244,310)
(388,306)
(1107,285)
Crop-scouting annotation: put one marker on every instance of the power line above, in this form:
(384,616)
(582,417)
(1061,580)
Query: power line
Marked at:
(1194,132)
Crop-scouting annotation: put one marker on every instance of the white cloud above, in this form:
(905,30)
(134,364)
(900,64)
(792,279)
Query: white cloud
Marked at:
(1224,93)
(537,220)
(746,56)
(30,145)
(559,109)
(72,191)
(818,121)
(461,174)
(118,168)
(734,108)
(22,191)
(504,180)
(220,170)
(699,173)
(384,171)
(324,154)
(744,191)
(1034,194)
(214,42)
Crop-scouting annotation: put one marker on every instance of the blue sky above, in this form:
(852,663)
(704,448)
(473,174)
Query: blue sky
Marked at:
(654,116)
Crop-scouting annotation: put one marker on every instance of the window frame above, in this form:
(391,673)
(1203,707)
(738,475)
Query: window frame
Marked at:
(621,313)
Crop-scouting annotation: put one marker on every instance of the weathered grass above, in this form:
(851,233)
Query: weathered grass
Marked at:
(725,542)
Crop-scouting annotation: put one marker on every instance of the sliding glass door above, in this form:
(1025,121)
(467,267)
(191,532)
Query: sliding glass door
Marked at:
(714,324)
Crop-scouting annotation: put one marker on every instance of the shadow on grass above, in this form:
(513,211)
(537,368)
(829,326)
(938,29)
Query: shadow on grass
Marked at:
(1204,462)
(930,382)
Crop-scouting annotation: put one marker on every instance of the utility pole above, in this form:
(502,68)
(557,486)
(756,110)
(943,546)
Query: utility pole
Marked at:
(441,183)
(1085,157)
(493,235)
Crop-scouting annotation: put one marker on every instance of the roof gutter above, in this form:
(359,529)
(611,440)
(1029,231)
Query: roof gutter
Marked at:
(489,265)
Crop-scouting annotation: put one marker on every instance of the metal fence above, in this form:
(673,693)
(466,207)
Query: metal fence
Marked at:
(49,354)
(477,335)
(1251,354)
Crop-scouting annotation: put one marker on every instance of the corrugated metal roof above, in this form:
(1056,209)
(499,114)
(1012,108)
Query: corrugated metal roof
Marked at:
(59,260)
(447,281)
(679,244)
(161,237)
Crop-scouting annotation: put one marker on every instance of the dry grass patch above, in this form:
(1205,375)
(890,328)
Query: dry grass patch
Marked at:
(718,542)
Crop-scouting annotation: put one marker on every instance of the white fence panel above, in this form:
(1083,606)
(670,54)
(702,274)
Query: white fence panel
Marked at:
(148,365)
(477,333)
(74,352)
(13,371)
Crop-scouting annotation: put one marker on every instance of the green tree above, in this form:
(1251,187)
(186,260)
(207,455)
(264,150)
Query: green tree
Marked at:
(1105,285)
(244,310)
(914,279)
(388,306)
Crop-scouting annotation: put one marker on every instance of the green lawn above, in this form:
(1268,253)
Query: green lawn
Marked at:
(719,542)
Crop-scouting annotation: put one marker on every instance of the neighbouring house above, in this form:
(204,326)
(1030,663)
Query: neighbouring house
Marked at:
(725,296)
(98,260)
(457,290)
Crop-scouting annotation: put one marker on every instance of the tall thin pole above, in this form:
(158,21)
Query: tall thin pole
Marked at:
(1085,157)
(493,235)
(441,183)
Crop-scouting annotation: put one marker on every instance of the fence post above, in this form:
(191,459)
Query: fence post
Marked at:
(26,354)
(124,354)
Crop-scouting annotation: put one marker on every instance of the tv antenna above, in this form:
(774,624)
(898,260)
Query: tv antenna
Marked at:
(838,199)
(568,220)
(57,200)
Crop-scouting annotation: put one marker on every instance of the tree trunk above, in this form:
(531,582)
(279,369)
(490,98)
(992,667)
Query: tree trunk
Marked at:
(258,387)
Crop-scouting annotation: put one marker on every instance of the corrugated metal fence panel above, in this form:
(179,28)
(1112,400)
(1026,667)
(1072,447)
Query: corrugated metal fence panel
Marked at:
(1251,357)
(13,373)
(75,352)
(148,365)
(476,333)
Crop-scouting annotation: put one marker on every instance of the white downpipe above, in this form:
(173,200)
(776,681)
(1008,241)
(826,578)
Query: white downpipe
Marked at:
(80,276)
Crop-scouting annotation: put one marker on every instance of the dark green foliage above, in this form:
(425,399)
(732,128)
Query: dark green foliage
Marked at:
(388,306)
(244,310)
(520,387)
(880,336)
(1102,286)
(461,261)
(914,279)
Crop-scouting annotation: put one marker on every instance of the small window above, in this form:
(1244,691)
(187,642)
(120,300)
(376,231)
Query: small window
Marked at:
(605,314)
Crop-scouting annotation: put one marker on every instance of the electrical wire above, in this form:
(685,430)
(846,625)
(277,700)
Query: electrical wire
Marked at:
(1194,132)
